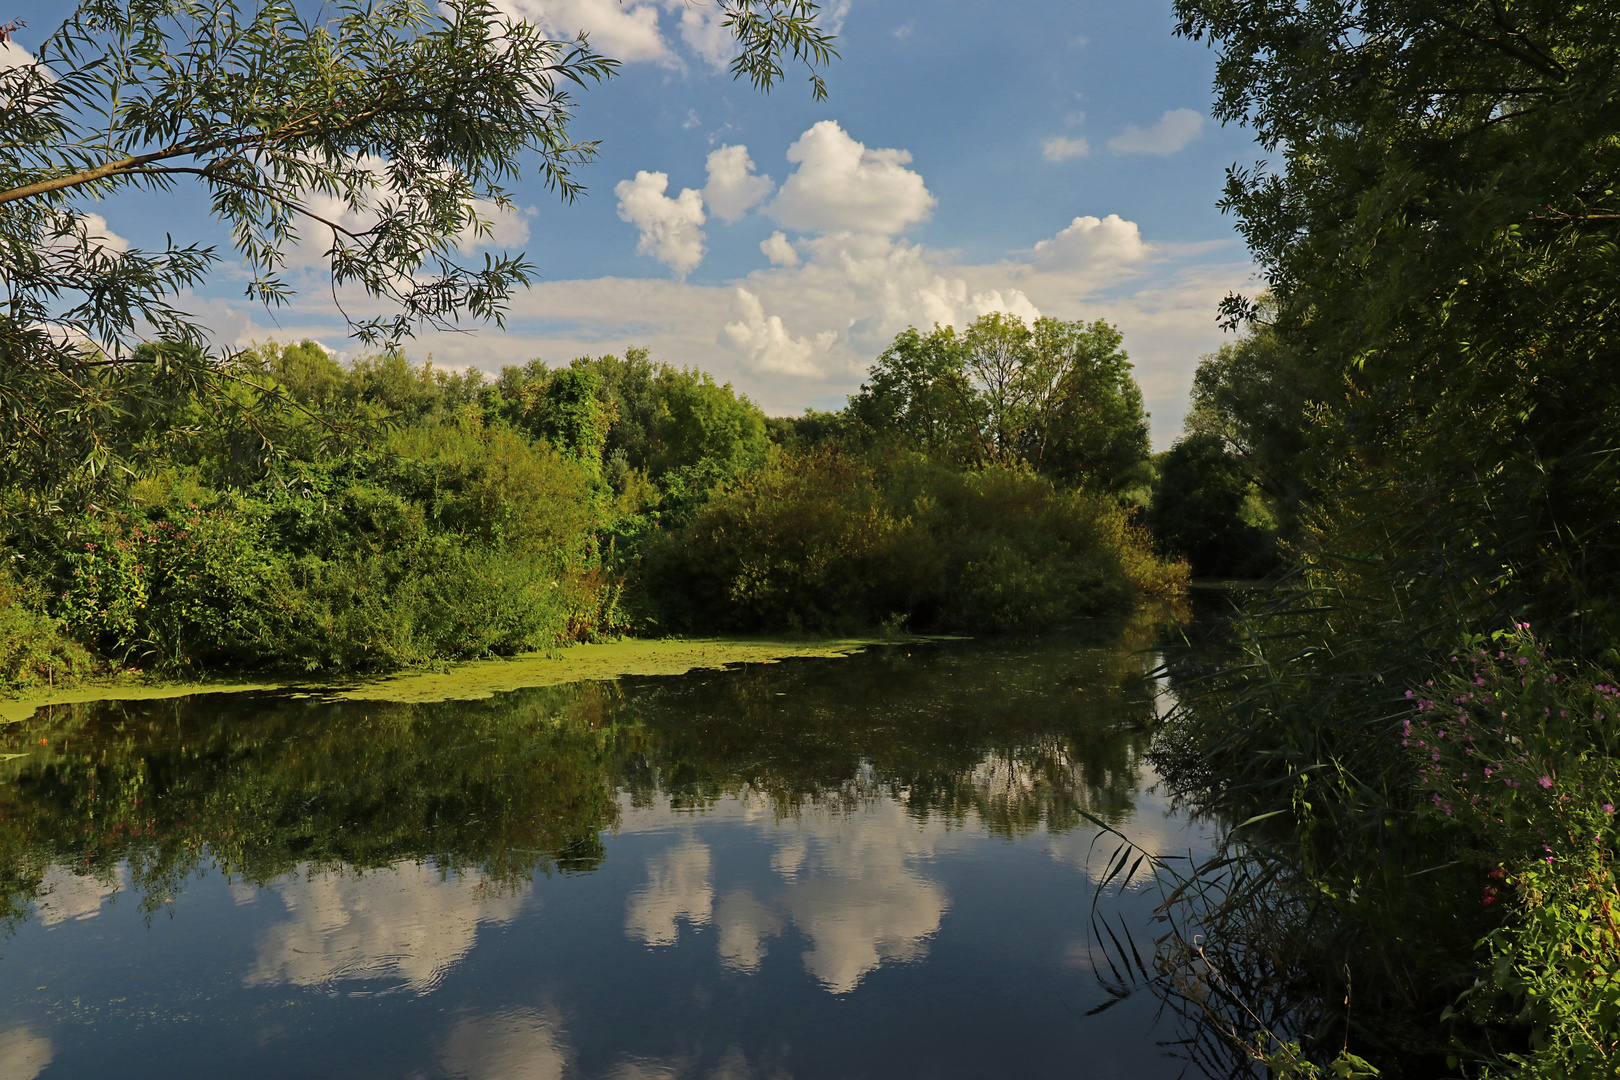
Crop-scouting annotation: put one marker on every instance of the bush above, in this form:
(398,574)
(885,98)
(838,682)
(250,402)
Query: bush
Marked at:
(825,540)
(1517,752)
(197,590)
(35,649)
(456,540)
(1200,511)
(803,543)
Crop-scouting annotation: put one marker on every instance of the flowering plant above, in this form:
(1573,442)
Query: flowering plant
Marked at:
(1517,749)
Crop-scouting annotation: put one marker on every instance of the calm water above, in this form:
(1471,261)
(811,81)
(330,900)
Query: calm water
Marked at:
(869,867)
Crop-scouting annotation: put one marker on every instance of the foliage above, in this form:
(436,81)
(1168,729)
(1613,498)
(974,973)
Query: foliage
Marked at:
(1057,395)
(827,539)
(181,593)
(412,120)
(1519,752)
(1260,398)
(1438,244)
(1203,511)
(35,649)
(920,389)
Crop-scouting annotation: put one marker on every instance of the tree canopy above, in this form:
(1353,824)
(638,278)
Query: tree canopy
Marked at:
(1438,239)
(1057,396)
(383,135)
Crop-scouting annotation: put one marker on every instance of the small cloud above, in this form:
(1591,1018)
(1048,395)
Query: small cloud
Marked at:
(1064,147)
(904,30)
(93,230)
(1079,41)
(1175,129)
(704,31)
(840,185)
(13,55)
(691,120)
(1074,119)
(1014,303)
(508,227)
(734,188)
(834,16)
(1094,242)
(628,31)
(671,229)
(779,249)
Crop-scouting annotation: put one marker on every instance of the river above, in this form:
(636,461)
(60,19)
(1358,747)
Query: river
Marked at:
(874,866)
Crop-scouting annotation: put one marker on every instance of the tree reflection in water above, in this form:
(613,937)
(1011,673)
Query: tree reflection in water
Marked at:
(800,814)
(259,786)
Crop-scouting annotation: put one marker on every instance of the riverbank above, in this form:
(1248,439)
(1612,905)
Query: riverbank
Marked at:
(475,679)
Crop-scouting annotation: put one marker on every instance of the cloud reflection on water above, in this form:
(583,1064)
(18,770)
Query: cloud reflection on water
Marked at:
(402,927)
(852,884)
(24,1054)
(517,1044)
(67,896)
(678,887)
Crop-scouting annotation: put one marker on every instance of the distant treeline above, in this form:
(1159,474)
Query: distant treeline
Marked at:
(384,513)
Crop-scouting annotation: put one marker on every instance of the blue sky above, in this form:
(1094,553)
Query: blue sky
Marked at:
(1035,157)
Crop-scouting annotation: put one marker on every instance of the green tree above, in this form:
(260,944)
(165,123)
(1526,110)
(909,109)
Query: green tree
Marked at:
(1261,400)
(1058,396)
(1198,511)
(1438,239)
(1092,426)
(416,118)
(705,432)
(919,390)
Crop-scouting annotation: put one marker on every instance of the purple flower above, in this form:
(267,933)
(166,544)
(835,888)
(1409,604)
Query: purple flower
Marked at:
(1608,808)
(1545,781)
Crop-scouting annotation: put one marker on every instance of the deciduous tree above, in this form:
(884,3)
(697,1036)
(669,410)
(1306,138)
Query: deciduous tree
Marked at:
(412,119)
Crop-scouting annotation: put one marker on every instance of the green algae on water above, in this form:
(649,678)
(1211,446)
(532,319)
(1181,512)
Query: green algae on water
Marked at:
(472,680)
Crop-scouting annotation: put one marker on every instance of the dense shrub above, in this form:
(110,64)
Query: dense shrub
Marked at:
(1203,510)
(823,539)
(453,540)
(201,588)
(385,514)
(1516,758)
(35,649)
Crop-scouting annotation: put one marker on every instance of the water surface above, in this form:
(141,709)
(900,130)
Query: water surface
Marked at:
(878,866)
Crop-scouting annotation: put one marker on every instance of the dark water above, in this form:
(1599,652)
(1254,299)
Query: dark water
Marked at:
(869,867)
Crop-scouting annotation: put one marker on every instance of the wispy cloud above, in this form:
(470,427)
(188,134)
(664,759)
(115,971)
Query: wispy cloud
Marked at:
(1175,129)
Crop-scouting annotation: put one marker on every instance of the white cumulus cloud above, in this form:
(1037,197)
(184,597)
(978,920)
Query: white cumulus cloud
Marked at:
(100,235)
(671,229)
(1014,303)
(734,188)
(507,228)
(1175,129)
(779,249)
(1094,242)
(1064,147)
(840,185)
(625,31)
(704,31)
(14,55)
(768,347)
